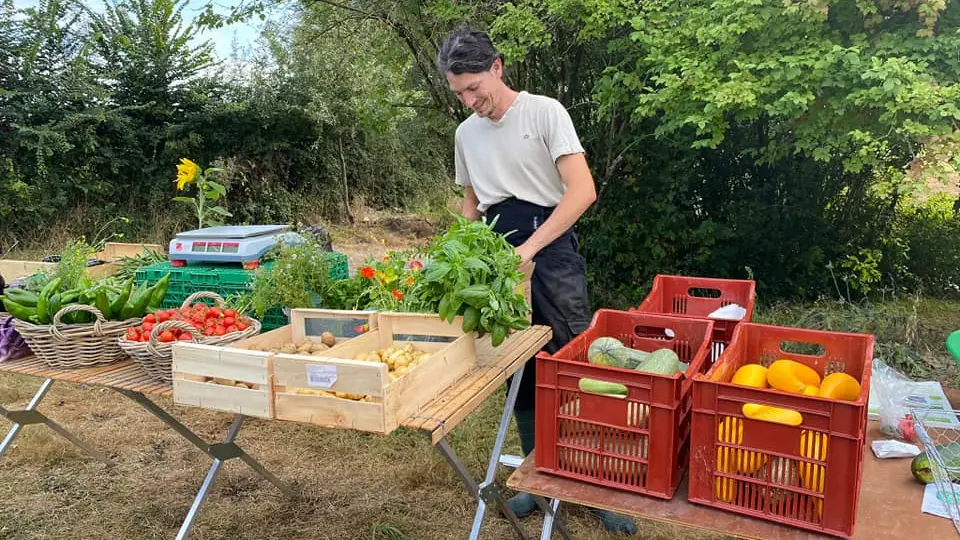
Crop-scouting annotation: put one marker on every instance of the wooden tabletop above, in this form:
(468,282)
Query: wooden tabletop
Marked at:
(125,375)
(890,502)
(495,365)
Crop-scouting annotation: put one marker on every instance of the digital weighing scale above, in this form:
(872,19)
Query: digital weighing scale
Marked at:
(245,244)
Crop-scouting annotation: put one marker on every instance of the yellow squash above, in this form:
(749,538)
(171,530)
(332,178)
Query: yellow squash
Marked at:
(840,386)
(731,432)
(753,375)
(735,459)
(791,376)
(776,415)
(813,445)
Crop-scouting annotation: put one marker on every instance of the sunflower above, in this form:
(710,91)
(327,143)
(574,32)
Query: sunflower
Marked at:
(186,173)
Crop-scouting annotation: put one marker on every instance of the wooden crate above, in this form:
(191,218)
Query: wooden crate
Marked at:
(238,378)
(12,269)
(306,388)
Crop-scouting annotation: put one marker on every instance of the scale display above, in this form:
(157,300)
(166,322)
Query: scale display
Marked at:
(244,244)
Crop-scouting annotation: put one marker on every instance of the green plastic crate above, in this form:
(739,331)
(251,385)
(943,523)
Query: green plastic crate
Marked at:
(224,280)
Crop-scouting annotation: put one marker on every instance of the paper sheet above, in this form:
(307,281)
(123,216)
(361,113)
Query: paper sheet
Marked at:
(934,504)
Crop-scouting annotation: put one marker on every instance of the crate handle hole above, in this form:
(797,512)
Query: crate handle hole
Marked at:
(704,292)
(802,347)
(654,332)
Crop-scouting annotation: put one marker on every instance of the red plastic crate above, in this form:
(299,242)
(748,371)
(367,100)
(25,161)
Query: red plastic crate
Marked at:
(638,443)
(806,476)
(698,297)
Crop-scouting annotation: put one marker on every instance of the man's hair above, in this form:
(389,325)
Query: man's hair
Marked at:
(467,50)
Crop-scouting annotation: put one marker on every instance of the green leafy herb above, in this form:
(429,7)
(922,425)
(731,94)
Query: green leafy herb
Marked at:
(472,271)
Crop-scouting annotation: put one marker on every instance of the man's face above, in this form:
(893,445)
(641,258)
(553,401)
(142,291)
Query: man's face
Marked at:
(478,91)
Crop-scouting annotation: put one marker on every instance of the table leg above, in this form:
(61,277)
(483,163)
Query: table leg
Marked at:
(30,415)
(220,453)
(551,518)
(487,491)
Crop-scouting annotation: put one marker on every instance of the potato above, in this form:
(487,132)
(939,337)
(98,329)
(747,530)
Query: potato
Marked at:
(289,348)
(225,382)
(318,347)
(328,339)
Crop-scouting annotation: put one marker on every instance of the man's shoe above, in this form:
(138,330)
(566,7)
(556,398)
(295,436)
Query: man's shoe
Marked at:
(613,522)
(522,504)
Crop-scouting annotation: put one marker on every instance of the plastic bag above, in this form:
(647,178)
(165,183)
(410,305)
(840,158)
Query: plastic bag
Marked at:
(892,389)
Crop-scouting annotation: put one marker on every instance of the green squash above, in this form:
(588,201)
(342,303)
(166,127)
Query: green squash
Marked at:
(603,351)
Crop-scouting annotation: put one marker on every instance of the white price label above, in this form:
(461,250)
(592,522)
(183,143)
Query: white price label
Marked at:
(319,376)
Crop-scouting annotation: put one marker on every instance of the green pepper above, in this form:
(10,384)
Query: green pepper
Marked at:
(24,313)
(68,298)
(140,307)
(103,304)
(131,307)
(43,301)
(159,292)
(22,297)
(116,307)
(56,304)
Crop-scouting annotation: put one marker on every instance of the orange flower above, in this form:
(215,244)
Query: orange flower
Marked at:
(397,294)
(367,272)
(410,281)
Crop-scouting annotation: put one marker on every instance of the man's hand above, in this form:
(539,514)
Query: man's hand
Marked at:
(526,252)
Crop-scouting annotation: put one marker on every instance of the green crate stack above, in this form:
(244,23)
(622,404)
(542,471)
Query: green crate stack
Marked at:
(223,279)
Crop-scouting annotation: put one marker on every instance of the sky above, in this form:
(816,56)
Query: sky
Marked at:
(243,33)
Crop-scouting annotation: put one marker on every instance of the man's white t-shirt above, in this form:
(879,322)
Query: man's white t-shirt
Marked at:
(516,157)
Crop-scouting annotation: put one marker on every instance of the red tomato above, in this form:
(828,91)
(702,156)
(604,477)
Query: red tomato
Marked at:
(132,334)
(229,321)
(166,336)
(185,337)
(163,316)
(147,327)
(198,317)
(229,313)
(208,331)
(219,330)
(231,328)
(241,326)
(150,318)
(211,314)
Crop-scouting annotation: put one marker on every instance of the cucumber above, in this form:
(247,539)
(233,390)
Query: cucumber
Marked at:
(602,387)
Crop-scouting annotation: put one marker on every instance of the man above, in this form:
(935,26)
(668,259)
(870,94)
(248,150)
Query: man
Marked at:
(518,157)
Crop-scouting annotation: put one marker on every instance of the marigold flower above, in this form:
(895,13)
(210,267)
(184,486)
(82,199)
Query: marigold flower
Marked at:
(367,272)
(397,294)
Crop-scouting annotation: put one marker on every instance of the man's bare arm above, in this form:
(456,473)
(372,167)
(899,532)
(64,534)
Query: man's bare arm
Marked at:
(581,193)
(470,203)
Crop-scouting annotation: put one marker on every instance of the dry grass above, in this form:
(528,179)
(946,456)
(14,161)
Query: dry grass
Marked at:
(351,485)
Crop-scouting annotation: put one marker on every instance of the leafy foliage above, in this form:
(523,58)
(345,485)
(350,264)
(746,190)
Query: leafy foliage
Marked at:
(789,141)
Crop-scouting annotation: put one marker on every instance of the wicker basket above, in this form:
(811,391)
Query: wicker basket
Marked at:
(76,345)
(156,358)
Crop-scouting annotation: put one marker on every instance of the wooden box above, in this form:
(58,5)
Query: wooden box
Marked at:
(238,378)
(340,390)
